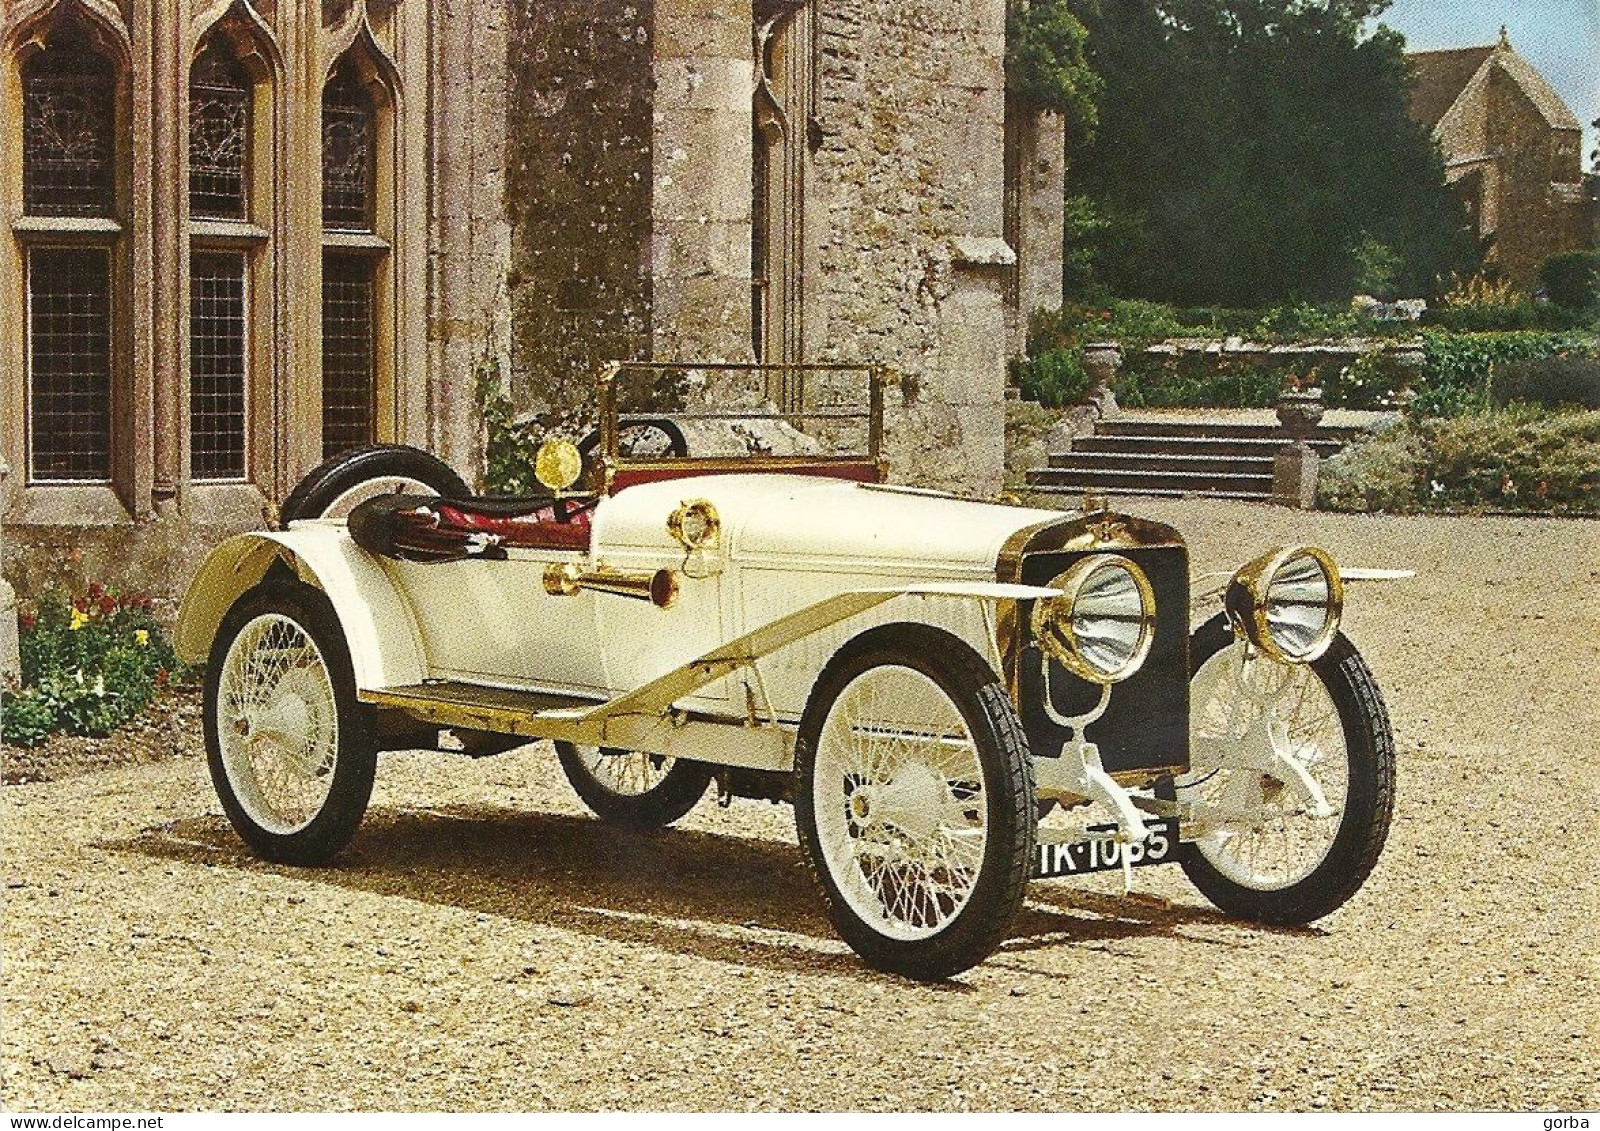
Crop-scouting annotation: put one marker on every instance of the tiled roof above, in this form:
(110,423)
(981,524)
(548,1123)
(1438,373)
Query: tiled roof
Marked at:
(1439,77)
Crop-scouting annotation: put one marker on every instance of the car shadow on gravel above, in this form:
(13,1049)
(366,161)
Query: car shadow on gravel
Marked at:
(726,898)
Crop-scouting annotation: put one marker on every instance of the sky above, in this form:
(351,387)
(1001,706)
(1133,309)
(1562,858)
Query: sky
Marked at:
(1559,37)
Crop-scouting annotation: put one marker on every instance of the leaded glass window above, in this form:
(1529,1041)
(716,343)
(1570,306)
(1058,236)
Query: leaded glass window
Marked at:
(69,364)
(349,153)
(348,352)
(218,348)
(219,136)
(68,131)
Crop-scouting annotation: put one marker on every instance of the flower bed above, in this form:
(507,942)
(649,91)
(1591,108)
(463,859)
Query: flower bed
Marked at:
(89,664)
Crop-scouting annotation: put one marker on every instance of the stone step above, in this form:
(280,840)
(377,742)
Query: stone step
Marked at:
(1220,429)
(1231,447)
(1160,460)
(1147,482)
(1150,493)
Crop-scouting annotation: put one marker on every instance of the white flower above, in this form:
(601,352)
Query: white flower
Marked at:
(1436,487)
(100,686)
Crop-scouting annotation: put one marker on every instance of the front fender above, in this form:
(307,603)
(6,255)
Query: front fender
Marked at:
(385,648)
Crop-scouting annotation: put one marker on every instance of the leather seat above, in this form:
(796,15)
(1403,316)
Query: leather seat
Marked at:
(411,528)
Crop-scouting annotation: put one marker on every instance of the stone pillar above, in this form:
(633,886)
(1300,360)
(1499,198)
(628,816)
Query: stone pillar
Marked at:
(470,242)
(1294,468)
(701,177)
(10,662)
(1041,222)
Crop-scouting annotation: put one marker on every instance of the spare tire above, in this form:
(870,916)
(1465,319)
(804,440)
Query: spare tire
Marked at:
(341,483)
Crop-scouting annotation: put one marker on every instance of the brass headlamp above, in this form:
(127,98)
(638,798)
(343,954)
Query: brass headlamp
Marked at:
(1287,603)
(1101,626)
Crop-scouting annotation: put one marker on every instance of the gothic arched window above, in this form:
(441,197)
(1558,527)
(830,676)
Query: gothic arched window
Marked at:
(349,152)
(219,136)
(68,96)
(351,258)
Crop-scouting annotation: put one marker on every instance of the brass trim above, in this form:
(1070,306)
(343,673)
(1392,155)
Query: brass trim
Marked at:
(1052,620)
(565,579)
(1110,530)
(709,516)
(1246,601)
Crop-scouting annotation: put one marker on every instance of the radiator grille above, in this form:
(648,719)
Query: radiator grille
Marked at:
(1147,723)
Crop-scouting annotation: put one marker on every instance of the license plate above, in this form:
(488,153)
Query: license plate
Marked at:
(1095,855)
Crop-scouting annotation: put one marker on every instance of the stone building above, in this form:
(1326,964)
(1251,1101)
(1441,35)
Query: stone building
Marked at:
(1512,148)
(246,233)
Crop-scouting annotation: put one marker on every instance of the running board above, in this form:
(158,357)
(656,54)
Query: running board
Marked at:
(581,721)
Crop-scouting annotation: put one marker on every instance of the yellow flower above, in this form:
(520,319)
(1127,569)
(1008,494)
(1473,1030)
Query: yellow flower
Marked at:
(79,619)
(141,637)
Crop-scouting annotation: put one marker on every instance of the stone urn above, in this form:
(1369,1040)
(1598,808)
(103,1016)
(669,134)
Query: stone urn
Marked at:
(1300,411)
(1101,360)
(1294,468)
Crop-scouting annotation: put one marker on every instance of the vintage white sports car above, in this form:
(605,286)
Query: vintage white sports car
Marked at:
(925,678)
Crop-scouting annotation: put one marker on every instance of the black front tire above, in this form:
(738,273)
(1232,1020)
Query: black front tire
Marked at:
(991,721)
(355,765)
(336,477)
(1369,802)
(665,802)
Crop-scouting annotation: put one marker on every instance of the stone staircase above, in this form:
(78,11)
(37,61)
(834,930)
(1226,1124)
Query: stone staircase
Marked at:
(1215,458)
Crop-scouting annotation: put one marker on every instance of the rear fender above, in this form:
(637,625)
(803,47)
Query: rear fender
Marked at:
(385,649)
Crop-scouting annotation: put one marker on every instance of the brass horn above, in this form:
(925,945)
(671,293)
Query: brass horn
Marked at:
(660,587)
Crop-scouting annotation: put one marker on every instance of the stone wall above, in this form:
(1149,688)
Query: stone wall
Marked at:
(577,193)
(910,168)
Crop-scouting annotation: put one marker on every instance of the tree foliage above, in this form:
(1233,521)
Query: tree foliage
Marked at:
(1257,151)
(1046,65)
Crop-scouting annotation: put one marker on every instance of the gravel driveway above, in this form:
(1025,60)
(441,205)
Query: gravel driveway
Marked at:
(483,945)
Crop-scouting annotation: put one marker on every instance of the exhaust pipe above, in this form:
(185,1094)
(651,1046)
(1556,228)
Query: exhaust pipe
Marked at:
(660,588)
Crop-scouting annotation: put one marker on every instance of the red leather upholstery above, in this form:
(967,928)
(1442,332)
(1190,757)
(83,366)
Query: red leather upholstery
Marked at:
(540,529)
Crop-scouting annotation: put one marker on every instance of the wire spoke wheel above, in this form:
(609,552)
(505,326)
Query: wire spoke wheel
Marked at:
(914,800)
(1266,835)
(291,753)
(279,723)
(1292,778)
(899,794)
(627,773)
(635,788)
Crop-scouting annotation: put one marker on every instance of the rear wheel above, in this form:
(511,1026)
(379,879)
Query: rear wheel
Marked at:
(632,787)
(339,484)
(915,801)
(289,749)
(1292,772)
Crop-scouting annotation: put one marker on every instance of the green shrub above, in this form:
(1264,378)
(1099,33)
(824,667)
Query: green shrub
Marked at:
(89,664)
(1572,279)
(1563,380)
(1461,368)
(1519,458)
(1054,377)
(1376,473)
(25,718)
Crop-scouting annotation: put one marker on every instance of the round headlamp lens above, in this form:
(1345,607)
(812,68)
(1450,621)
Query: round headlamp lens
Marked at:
(1288,603)
(1101,626)
(1299,609)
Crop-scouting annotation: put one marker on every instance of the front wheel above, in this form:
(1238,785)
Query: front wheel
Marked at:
(915,801)
(633,788)
(1292,776)
(290,750)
